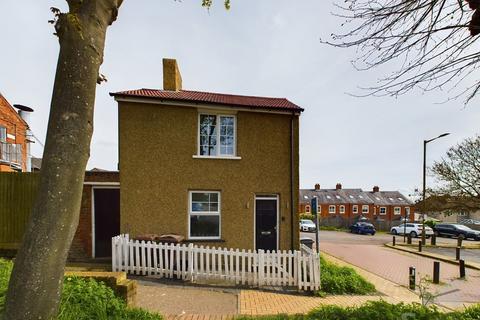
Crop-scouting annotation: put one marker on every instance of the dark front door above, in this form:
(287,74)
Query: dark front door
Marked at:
(266,223)
(107,220)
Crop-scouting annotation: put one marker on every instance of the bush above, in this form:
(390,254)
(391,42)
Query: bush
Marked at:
(430,223)
(307,216)
(342,280)
(379,310)
(84,299)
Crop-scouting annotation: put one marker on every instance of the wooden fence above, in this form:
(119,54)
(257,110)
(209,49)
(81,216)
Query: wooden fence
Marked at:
(17,193)
(260,268)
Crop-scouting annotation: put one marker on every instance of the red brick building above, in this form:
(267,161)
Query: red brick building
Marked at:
(13,139)
(345,206)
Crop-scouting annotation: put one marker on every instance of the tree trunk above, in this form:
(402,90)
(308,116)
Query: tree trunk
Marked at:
(36,282)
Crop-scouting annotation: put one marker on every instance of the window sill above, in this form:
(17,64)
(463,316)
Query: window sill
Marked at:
(217,157)
(204,240)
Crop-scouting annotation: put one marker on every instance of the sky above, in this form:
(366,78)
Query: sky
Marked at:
(265,48)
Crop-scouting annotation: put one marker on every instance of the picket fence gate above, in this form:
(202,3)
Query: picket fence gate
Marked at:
(260,268)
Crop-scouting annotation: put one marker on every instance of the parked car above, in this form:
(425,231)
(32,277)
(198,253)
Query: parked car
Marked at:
(455,230)
(413,229)
(307,225)
(363,228)
(470,221)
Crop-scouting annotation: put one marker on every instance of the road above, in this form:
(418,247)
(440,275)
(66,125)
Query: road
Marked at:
(368,253)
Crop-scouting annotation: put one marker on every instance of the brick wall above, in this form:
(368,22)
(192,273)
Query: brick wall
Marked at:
(16,127)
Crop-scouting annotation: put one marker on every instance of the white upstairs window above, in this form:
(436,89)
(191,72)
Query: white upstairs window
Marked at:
(217,135)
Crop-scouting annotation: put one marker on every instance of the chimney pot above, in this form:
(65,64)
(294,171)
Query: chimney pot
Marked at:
(317,186)
(376,189)
(172,79)
(338,186)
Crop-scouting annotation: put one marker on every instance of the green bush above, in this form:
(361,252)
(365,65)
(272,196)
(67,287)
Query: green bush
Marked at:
(84,299)
(342,280)
(379,310)
(307,216)
(430,223)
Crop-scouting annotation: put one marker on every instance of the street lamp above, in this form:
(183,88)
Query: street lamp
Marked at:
(424,206)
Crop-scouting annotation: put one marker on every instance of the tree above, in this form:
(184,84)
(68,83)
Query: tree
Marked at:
(459,175)
(36,281)
(429,42)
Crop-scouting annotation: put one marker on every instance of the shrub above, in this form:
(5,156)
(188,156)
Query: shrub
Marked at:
(307,216)
(430,223)
(342,280)
(84,299)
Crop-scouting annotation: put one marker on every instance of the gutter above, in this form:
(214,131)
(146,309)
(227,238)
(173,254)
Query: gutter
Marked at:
(292,178)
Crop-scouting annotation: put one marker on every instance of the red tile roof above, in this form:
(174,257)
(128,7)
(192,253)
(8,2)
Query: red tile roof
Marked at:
(275,104)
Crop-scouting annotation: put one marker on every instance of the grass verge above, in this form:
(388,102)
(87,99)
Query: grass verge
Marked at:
(336,279)
(83,299)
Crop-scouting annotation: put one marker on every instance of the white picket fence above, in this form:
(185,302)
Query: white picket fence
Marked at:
(260,268)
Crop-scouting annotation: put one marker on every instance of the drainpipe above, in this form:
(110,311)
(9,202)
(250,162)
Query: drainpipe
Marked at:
(292,178)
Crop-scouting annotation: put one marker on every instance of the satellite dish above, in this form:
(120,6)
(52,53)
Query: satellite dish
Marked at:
(23,108)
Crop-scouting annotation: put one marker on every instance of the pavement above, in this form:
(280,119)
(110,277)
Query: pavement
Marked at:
(369,254)
(472,255)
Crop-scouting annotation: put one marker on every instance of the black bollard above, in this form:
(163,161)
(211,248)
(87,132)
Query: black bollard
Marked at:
(433,240)
(457,253)
(409,239)
(460,240)
(393,241)
(420,246)
(462,268)
(411,278)
(436,272)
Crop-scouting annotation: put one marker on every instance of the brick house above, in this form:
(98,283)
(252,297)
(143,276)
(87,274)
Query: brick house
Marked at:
(218,169)
(13,139)
(341,207)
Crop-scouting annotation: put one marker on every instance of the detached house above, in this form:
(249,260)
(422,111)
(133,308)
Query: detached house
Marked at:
(219,169)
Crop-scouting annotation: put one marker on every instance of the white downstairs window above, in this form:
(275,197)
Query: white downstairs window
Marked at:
(204,215)
(397,211)
(216,135)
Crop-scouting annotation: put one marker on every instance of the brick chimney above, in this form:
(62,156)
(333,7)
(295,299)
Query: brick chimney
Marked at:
(317,186)
(338,186)
(172,80)
(376,189)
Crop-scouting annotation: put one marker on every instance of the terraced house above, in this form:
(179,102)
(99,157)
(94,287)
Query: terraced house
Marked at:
(341,206)
(218,169)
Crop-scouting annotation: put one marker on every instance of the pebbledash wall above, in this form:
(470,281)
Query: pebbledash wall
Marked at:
(157,144)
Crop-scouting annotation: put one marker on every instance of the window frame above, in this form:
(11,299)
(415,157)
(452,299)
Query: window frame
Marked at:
(217,115)
(342,209)
(355,209)
(308,210)
(334,209)
(365,206)
(4,129)
(204,213)
(384,211)
(395,211)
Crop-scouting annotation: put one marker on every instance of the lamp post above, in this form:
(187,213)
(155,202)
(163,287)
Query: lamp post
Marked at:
(424,206)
